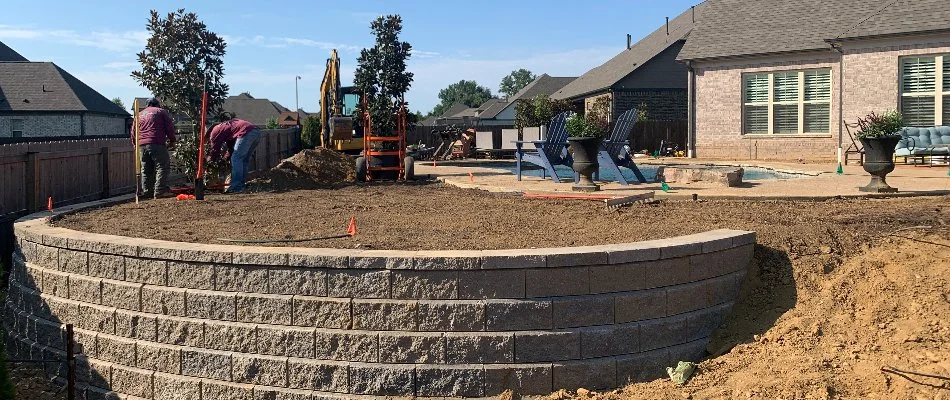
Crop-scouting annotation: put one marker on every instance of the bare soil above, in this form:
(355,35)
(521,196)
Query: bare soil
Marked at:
(311,168)
(837,288)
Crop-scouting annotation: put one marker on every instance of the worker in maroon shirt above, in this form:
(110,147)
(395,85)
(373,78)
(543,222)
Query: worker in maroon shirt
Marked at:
(239,139)
(156,128)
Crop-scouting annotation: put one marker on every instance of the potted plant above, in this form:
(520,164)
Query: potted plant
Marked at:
(879,134)
(586,135)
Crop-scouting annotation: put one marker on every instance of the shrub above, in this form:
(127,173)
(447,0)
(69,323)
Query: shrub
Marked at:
(876,125)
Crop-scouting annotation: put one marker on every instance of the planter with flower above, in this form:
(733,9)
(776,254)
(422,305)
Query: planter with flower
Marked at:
(879,134)
(586,135)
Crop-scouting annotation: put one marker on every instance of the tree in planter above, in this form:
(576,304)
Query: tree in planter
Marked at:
(516,81)
(181,59)
(381,75)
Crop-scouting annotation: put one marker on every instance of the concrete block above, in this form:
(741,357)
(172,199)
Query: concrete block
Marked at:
(664,332)
(175,387)
(317,258)
(492,284)
(413,285)
(702,323)
(633,252)
(529,379)
(136,325)
(575,311)
(453,381)
(639,305)
(127,296)
(115,349)
(608,341)
(75,262)
(95,393)
(479,348)
(272,393)
(325,376)
(44,256)
(95,243)
(158,357)
(744,238)
(347,345)
(211,305)
(411,348)
(190,275)
(297,281)
(565,281)
(107,266)
(382,380)
(163,300)
(230,336)
(576,256)
(55,284)
(181,331)
(264,308)
(724,289)
(453,260)
(206,253)
(99,373)
(366,284)
(216,390)
(497,259)
(513,315)
(690,351)
(717,240)
(688,297)
(683,247)
(84,289)
(322,312)
(259,370)
(203,363)
(642,367)
(708,265)
(300,343)
(236,278)
(666,272)
(385,315)
(96,318)
(85,343)
(147,271)
(540,346)
(132,381)
(616,278)
(272,340)
(589,374)
(445,316)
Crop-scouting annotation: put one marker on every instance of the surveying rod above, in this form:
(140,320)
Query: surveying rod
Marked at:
(200,179)
(137,167)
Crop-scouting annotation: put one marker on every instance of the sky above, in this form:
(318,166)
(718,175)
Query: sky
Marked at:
(270,45)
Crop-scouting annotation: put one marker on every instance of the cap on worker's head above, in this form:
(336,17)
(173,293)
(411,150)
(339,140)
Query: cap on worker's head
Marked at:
(153,102)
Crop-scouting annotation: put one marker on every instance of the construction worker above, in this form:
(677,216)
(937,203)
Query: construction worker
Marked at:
(156,137)
(240,138)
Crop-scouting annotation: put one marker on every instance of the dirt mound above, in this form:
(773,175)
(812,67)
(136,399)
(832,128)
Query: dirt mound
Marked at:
(310,168)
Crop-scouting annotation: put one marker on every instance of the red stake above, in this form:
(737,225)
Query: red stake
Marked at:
(49,204)
(351,228)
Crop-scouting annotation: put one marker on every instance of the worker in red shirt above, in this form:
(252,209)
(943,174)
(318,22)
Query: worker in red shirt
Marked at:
(156,128)
(239,139)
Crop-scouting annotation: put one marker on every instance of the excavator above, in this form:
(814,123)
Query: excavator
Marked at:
(337,105)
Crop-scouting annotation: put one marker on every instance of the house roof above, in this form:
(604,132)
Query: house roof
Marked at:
(731,28)
(8,54)
(468,112)
(290,117)
(625,63)
(491,108)
(544,84)
(43,86)
(455,109)
(255,111)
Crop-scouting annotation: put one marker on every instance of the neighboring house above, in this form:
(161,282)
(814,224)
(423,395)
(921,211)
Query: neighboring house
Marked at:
(290,118)
(502,111)
(454,115)
(41,100)
(776,79)
(644,73)
(255,111)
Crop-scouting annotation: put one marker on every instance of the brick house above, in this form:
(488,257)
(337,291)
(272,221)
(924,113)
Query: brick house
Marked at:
(775,79)
(645,73)
(41,100)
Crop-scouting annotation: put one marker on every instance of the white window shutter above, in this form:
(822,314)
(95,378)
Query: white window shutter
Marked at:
(918,110)
(918,75)
(757,88)
(818,85)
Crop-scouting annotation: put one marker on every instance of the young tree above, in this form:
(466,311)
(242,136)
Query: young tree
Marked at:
(466,92)
(271,123)
(118,102)
(310,132)
(381,75)
(516,81)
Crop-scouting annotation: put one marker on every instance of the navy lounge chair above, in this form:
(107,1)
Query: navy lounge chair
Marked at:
(546,153)
(612,153)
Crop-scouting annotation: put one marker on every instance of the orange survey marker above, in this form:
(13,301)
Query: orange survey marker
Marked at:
(471,178)
(49,204)
(351,228)
(184,196)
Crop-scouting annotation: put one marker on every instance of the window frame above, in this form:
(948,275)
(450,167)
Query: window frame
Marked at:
(770,103)
(941,91)
(16,133)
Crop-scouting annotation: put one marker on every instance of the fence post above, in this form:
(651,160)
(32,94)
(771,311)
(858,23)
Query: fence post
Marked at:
(267,150)
(70,364)
(32,181)
(106,185)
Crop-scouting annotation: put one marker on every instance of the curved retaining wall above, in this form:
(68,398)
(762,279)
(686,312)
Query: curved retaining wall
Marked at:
(166,320)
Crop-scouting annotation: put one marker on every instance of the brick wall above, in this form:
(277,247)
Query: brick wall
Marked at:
(99,125)
(662,104)
(63,125)
(160,320)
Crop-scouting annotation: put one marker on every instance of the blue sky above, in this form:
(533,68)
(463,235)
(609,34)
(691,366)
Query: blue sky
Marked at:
(268,45)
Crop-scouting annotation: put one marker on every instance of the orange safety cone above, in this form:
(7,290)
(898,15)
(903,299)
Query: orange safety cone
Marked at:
(49,204)
(351,228)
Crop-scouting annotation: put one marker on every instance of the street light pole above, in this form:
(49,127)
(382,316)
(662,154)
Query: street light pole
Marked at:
(297,100)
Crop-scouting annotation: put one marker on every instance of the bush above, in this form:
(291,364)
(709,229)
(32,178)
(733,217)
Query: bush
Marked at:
(874,125)
(310,132)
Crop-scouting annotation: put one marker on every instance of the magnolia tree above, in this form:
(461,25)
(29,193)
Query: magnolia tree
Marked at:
(381,75)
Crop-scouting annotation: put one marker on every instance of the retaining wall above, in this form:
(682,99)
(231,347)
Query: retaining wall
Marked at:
(166,320)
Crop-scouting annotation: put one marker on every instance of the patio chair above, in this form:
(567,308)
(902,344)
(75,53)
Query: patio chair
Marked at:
(854,149)
(546,153)
(613,153)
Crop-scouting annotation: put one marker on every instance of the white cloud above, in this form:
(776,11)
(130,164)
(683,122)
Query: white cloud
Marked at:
(107,40)
(126,65)
(425,54)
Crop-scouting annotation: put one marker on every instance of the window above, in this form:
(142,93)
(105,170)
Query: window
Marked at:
(789,102)
(925,90)
(16,128)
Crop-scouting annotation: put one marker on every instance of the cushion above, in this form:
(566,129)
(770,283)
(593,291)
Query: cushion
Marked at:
(923,141)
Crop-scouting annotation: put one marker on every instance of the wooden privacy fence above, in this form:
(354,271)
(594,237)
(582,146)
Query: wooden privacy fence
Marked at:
(84,170)
(648,134)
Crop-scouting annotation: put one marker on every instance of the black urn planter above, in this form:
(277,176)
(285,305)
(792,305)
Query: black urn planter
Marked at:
(584,151)
(879,161)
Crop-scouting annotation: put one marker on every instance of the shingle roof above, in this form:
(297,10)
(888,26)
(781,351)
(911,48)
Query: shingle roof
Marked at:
(43,86)
(455,109)
(8,54)
(491,108)
(625,63)
(903,16)
(255,111)
(741,27)
(468,112)
(544,84)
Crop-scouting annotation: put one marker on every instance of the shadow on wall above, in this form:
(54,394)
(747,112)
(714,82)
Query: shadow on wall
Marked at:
(6,252)
(768,292)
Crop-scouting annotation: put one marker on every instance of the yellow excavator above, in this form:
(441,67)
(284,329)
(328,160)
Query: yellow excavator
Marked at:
(337,104)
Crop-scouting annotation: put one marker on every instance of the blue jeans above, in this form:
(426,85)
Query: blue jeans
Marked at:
(243,150)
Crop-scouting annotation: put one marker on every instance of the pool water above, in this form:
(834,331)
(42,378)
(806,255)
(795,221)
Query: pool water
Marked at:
(648,170)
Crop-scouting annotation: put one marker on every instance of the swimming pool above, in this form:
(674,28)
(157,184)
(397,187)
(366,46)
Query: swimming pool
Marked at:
(648,170)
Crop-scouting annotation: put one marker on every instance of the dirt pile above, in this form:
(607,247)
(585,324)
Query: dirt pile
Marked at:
(308,169)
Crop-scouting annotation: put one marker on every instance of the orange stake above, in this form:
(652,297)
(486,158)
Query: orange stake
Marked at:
(351,228)
(471,178)
(49,204)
